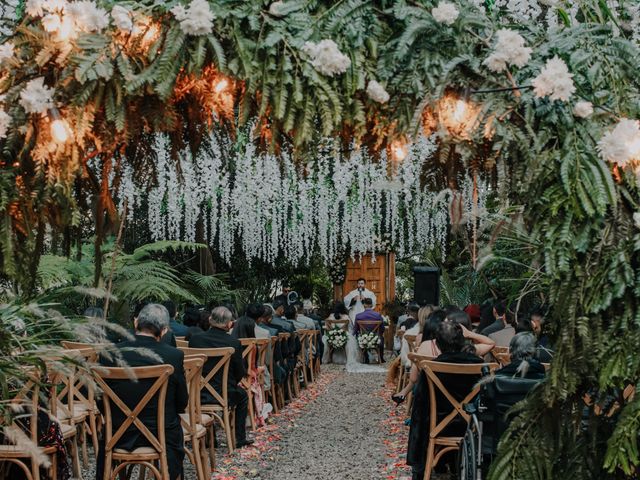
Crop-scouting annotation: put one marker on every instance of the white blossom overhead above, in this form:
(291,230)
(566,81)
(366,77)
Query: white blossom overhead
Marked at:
(376,92)
(36,97)
(5,120)
(509,50)
(6,51)
(87,16)
(622,144)
(554,81)
(275,8)
(122,18)
(196,19)
(267,207)
(445,12)
(326,57)
(583,109)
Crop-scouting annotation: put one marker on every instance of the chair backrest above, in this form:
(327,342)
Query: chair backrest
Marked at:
(499,349)
(193,373)
(411,340)
(105,376)
(503,358)
(432,370)
(181,342)
(369,326)
(249,351)
(343,324)
(68,385)
(27,397)
(222,359)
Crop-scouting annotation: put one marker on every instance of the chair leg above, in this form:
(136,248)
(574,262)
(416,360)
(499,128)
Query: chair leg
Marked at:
(93,428)
(197,458)
(83,439)
(206,471)
(429,467)
(75,457)
(212,448)
(251,413)
(227,430)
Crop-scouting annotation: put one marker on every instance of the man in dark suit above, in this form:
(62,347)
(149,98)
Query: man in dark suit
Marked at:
(217,336)
(150,325)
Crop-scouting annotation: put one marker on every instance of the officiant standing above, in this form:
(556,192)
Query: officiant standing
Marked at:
(353,300)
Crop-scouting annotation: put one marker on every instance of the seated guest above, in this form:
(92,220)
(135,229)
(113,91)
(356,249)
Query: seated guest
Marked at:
(178,329)
(500,316)
(221,320)
(522,350)
(301,319)
(428,348)
(244,327)
(278,317)
(452,339)
(503,336)
(196,320)
(411,318)
(371,315)
(543,354)
(423,315)
(150,325)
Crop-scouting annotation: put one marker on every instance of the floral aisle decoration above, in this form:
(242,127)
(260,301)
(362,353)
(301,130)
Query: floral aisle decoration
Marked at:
(337,337)
(368,341)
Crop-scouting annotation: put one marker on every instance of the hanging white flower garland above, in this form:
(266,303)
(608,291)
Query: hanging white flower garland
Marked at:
(340,203)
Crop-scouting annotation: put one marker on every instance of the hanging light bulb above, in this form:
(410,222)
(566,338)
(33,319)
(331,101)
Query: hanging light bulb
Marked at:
(221,85)
(458,115)
(59,127)
(399,150)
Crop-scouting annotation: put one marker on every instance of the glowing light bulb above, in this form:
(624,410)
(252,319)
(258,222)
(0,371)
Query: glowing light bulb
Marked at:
(150,35)
(60,131)
(460,111)
(221,85)
(399,150)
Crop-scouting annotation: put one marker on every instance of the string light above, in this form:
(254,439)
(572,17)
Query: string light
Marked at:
(399,150)
(458,116)
(59,127)
(221,85)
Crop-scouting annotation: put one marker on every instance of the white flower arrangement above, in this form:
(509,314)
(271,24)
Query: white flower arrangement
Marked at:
(326,57)
(583,109)
(5,121)
(368,340)
(336,337)
(6,51)
(36,97)
(376,92)
(509,49)
(445,13)
(87,16)
(275,8)
(622,144)
(122,18)
(554,81)
(195,20)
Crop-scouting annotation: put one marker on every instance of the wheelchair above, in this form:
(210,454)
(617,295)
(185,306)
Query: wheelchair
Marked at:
(488,422)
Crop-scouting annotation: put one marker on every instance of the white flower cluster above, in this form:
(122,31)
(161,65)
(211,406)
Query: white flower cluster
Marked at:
(445,12)
(197,19)
(275,8)
(554,81)
(622,144)
(87,16)
(509,49)
(5,121)
(36,97)
(264,206)
(376,92)
(337,337)
(583,109)
(37,8)
(6,51)
(60,15)
(326,57)
(122,18)
(368,340)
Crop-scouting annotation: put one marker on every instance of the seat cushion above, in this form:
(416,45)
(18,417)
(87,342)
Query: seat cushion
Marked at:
(139,450)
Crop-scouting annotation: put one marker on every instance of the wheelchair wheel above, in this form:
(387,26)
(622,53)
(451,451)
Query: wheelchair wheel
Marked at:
(467,456)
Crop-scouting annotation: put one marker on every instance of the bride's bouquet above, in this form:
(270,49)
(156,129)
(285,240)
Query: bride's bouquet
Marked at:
(368,340)
(336,337)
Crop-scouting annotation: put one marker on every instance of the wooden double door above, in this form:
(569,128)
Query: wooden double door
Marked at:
(378,271)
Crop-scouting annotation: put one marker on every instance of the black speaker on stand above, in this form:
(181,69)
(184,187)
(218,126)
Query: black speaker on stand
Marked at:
(426,287)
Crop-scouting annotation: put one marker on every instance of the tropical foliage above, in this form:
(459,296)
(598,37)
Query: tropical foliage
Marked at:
(115,88)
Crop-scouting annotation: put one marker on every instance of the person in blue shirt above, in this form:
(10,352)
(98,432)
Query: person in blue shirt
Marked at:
(178,329)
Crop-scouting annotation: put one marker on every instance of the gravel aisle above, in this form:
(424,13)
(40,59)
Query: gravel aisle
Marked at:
(337,435)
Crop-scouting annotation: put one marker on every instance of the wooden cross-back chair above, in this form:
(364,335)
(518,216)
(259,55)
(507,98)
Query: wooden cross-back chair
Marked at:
(194,431)
(181,343)
(249,355)
(439,444)
(366,326)
(411,341)
(305,353)
(330,323)
(220,411)
(314,361)
(143,456)
(25,458)
(275,392)
(81,401)
(284,339)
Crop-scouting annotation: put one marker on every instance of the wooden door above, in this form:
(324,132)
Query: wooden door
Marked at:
(379,274)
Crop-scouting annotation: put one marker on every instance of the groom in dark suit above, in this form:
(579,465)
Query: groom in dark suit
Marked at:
(376,320)
(217,336)
(150,325)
